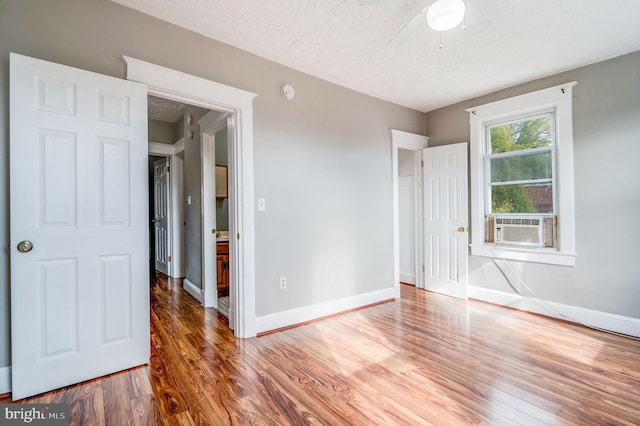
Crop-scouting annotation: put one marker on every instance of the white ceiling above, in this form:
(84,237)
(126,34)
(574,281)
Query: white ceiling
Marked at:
(346,43)
(164,109)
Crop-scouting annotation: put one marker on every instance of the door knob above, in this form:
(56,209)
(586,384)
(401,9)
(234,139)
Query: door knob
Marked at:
(25,246)
(461,229)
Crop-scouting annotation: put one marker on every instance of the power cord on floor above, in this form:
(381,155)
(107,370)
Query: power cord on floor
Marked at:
(543,302)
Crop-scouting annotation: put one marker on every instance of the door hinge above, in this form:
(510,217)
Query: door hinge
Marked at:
(168,169)
(168,258)
(422,163)
(423,268)
(238,236)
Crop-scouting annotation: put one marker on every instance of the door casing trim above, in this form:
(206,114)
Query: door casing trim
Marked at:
(404,140)
(193,90)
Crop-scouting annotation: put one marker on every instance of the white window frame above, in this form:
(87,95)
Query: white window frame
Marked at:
(558,99)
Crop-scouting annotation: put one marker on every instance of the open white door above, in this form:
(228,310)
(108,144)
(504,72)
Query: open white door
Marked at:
(446,219)
(79,225)
(161,214)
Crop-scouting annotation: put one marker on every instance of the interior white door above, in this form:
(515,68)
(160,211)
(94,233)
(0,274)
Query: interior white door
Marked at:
(446,219)
(79,195)
(161,214)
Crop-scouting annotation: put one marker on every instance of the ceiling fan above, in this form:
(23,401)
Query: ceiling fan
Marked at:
(456,17)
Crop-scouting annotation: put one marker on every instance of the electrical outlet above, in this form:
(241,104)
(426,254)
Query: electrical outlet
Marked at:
(283,283)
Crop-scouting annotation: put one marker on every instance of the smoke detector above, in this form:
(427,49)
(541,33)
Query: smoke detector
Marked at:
(287,91)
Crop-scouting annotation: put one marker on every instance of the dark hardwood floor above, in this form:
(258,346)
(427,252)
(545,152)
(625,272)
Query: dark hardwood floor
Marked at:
(423,359)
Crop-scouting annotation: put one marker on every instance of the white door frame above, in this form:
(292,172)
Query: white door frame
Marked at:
(404,140)
(176,266)
(189,89)
(210,124)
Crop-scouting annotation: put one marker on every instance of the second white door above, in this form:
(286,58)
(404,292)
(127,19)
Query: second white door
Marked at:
(161,215)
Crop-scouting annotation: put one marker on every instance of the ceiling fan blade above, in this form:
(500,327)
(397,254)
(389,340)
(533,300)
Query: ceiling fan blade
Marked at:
(412,27)
(475,21)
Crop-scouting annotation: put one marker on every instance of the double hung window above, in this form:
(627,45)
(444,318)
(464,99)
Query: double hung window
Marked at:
(522,177)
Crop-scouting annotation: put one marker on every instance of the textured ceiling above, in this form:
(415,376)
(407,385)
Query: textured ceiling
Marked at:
(347,43)
(164,109)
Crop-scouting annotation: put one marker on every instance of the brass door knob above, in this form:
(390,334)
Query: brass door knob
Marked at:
(461,229)
(25,246)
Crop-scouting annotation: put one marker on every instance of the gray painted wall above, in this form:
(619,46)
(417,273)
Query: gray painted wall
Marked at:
(192,183)
(161,131)
(606,119)
(322,161)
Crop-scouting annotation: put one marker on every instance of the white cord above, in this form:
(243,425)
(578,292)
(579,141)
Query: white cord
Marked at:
(543,302)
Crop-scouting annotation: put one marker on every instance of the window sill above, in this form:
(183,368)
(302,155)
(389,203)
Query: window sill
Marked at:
(541,255)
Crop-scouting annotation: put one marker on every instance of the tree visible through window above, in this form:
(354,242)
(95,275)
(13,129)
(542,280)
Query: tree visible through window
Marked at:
(520,165)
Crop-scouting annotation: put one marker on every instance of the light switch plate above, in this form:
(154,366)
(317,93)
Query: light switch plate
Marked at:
(262,206)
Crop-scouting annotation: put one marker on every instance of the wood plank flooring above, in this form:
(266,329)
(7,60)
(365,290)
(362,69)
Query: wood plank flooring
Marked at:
(423,359)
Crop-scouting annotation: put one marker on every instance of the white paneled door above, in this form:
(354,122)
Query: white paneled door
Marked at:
(79,225)
(446,219)
(161,214)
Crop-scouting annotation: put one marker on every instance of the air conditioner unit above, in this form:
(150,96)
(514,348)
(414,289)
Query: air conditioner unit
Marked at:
(522,231)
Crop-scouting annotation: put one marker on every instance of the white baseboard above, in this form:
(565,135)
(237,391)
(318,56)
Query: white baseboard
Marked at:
(589,317)
(408,278)
(320,310)
(192,289)
(5,379)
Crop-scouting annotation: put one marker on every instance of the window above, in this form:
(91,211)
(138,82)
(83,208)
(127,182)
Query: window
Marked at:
(520,160)
(522,167)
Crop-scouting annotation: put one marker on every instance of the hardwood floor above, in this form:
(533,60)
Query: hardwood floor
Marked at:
(423,359)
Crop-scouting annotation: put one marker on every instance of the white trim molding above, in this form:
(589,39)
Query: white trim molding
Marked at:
(161,149)
(5,379)
(404,140)
(193,290)
(179,146)
(165,149)
(560,100)
(178,86)
(589,317)
(320,310)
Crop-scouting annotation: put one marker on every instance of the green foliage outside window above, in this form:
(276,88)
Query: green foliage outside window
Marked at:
(531,166)
(510,199)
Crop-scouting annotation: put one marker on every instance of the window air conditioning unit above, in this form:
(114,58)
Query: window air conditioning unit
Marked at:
(535,231)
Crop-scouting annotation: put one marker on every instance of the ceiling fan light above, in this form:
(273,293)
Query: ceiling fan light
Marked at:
(445,14)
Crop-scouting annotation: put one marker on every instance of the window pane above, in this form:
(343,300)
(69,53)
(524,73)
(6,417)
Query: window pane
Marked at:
(524,134)
(521,167)
(522,199)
